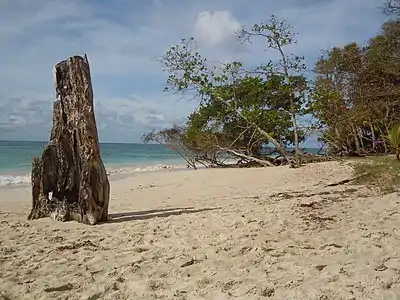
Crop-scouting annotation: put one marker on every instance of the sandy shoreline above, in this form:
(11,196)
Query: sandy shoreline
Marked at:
(270,233)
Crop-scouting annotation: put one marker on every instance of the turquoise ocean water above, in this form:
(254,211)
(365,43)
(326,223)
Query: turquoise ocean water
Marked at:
(16,157)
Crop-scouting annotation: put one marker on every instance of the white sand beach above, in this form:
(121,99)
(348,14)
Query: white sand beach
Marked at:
(267,233)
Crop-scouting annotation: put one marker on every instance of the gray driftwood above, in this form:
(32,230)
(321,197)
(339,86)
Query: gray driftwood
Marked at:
(69,181)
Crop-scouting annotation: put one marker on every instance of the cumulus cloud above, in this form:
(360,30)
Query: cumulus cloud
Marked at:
(213,28)
(121,38)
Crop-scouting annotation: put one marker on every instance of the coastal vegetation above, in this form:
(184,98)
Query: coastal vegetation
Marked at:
(380,172)
(260,115)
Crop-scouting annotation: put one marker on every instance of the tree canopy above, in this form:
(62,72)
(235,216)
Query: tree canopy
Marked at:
(248,113)
(355,96)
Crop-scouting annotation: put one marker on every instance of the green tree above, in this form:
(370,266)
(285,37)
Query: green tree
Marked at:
(174,139)
(254,104)
(258,102)
(356,93)
(393,138)
(279,35)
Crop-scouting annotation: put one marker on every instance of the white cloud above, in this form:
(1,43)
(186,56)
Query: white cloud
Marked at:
(213,28)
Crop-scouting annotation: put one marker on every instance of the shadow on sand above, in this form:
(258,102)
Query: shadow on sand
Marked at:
(154,213)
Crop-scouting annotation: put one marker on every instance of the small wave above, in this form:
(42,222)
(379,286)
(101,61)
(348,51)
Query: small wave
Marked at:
(134,169)
(13,179)
(25,179)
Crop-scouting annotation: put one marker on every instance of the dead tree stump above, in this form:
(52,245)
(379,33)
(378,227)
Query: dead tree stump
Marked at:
(69,181)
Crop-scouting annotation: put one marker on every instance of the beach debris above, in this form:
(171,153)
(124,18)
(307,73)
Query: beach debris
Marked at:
(60,288)
(381,267)
(308,194)
(344,181)
(69,180)
(190,262)
(334,245)
(95,296)
(77,245)
(141,187)
(320,267)
(263,291)
(311,204)
(268,292)
(318,219)
(115,286)
(155,284)
(140,249)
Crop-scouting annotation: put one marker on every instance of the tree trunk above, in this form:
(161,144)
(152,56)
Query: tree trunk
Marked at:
(371,126)
(273,141)
(69,181)
(381,136)
(296,139)
(355,138)
(361,139)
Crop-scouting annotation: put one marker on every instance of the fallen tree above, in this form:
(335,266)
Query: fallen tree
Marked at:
(172,138)
(246,148)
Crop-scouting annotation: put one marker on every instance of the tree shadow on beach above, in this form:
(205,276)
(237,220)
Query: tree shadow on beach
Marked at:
(154,213)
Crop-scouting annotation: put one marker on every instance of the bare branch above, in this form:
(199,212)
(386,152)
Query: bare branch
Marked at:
(392,7)
(260,161)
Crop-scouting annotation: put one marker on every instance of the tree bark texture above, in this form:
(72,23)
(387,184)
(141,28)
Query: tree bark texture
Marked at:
(69,181)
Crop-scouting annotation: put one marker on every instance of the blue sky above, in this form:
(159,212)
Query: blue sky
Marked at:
(121,39)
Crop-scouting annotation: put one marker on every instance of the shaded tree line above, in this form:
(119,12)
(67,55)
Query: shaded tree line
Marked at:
(356,93)
(257,116)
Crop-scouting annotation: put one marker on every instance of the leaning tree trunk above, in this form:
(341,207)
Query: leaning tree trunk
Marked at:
(69,181)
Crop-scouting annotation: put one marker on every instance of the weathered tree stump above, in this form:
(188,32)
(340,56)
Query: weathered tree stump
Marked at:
(69,181)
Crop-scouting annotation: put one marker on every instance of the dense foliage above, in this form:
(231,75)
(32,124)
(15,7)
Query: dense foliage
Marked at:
(247,113)
(356,95)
